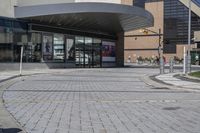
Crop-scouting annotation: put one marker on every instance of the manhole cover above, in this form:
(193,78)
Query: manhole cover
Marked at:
(171,108)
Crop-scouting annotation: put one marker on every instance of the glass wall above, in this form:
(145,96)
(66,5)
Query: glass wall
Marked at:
(47,46)
(6,40)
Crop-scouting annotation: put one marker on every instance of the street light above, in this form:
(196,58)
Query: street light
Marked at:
(189,40)
(160,52)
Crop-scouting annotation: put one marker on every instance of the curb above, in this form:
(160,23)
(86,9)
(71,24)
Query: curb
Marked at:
(152,81)
(12,77)
(187,78)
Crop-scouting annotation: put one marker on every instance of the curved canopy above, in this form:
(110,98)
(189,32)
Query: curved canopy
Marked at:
(98,17)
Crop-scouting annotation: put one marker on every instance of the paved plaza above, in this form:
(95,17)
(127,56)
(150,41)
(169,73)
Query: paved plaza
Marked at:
(113,100)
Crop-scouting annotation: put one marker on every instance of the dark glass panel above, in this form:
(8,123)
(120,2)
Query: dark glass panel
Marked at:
(140,3)
(6,39)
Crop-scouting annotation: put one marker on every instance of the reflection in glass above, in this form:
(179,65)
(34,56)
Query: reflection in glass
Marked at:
(34,48)
(88,52)
(79,51)
(58,47)
(47,47)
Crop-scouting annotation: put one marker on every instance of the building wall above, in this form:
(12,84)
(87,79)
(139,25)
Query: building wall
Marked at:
(127,2)
(138,43)
(172,17)
(7,8)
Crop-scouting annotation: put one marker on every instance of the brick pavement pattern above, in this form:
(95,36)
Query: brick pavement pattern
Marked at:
(101,101)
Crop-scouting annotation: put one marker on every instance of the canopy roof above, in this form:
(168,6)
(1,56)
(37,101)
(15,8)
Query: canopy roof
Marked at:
(98,17)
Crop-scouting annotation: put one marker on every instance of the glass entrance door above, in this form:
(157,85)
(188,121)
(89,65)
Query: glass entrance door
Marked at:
(88,52)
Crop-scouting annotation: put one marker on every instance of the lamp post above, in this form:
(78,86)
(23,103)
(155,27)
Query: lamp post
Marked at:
(189,40)
(160,51)
(161,54)
(21,60)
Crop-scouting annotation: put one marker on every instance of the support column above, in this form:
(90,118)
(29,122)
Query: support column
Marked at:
(120,50)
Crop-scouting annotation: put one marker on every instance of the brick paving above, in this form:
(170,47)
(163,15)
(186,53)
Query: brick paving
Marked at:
(101,101)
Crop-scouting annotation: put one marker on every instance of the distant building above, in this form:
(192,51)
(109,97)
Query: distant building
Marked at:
(171,16)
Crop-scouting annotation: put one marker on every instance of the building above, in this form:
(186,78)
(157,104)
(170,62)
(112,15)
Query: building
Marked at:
(67,33)
(171,17)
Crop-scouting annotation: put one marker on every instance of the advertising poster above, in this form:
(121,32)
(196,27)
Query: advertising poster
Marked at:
(108,51)
(47,47)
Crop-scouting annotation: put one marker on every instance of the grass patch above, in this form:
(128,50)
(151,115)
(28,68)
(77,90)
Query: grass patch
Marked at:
(195,74)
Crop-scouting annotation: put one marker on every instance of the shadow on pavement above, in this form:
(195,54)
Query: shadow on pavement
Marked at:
(10,130)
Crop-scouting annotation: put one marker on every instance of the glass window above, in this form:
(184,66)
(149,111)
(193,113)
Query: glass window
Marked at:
(58,47)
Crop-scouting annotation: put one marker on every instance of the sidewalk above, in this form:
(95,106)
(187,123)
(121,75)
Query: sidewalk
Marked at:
(172,79)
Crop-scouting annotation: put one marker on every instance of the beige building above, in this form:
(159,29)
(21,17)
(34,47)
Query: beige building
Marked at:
(173,25)
(142,44)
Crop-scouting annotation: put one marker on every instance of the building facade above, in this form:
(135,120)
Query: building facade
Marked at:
(171,17)
(67,33)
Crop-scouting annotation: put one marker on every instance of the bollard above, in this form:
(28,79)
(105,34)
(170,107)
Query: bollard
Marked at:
(162,71)
(171,65)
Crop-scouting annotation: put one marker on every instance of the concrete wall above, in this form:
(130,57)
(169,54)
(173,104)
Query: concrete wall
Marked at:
(7,8)
(146,45)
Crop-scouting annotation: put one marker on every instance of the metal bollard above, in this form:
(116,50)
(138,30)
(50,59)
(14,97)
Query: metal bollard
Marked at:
(171,65)
(162,67)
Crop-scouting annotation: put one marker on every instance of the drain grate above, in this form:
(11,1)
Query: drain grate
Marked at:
(171,108)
